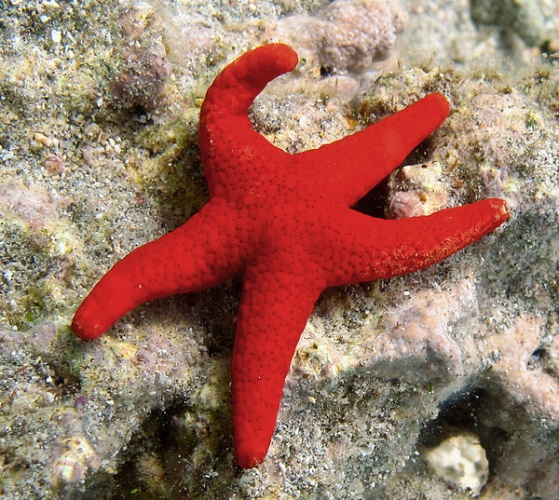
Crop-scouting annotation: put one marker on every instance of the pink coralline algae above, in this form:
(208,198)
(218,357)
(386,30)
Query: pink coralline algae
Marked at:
(347,36)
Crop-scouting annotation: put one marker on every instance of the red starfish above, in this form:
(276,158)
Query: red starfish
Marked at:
(284,224)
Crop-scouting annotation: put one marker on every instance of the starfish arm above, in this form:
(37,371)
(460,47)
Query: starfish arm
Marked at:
(274,309)
(352,166)
(377,248)
(228,143)
(197,255)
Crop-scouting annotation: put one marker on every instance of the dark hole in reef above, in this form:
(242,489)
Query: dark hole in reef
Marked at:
(326,70)
(457,414)
(536,358)
(548,51)
(158,461)
(139,111)
(136,115)
(154,441)
(67,384)
(374,202)
(539,353)
(460,413)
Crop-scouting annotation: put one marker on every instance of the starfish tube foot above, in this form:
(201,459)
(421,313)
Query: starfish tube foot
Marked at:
(283,224)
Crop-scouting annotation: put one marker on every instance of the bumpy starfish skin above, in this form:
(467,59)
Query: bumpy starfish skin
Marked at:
(283,223)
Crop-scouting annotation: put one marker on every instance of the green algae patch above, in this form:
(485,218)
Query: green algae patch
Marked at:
(172,174)
(30,284)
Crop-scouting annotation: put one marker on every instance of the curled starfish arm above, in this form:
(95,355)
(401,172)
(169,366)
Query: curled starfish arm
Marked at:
(227,139)
(236,87)
(273,313)
(198,254)
(377,248)
(352,166)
